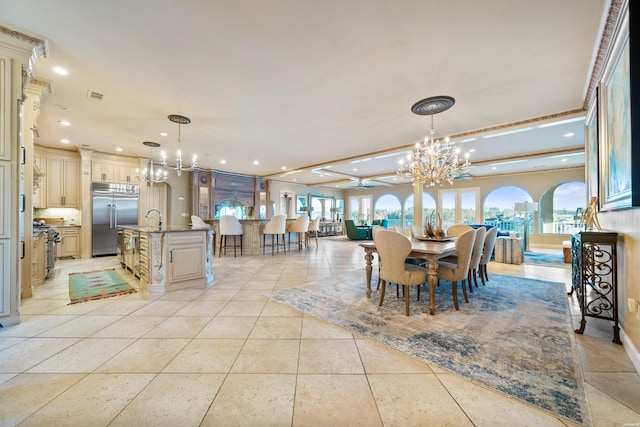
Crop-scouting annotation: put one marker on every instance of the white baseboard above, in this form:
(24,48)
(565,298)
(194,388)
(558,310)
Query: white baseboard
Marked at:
(631,350)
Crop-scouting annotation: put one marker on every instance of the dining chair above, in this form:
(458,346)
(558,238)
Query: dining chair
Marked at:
(229,226)
(417,231)
(487,252)
(299,226)
(457,229)
(394,248)
(458,272)
(314,227)
(476,254)
(276,227)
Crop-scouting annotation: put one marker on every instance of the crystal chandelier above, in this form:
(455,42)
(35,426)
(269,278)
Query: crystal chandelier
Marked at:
(433,162)
(153,173)
(180,120)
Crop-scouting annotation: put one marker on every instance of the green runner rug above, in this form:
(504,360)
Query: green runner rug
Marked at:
(96,285)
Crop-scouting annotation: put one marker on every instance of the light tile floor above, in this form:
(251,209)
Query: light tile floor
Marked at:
(226,355)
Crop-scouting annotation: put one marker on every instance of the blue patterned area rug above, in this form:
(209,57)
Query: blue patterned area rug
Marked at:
(549,260)
(514,336)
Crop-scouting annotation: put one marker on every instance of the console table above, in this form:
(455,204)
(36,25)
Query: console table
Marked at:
(594,277)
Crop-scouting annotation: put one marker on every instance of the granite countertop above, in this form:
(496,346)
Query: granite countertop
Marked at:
(164,229)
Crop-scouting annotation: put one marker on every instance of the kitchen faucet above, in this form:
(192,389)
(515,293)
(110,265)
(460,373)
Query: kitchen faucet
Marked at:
(147,216)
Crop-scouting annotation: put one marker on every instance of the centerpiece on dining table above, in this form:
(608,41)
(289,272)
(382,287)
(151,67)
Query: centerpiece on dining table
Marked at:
(434,230)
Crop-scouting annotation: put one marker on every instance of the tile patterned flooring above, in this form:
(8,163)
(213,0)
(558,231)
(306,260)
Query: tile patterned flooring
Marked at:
(226,355)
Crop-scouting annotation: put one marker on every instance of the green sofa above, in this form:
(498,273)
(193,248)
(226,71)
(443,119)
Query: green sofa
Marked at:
(355,233)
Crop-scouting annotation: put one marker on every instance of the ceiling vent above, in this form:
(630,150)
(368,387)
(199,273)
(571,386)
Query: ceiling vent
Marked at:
(94,95)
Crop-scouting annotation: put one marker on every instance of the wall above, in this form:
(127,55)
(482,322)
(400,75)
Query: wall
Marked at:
(627,224)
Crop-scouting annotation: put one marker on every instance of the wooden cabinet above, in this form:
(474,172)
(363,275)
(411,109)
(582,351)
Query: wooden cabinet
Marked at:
(39,258)
(70,243)
(144,259)
(62,181)
(113,169)
(102,171)
(186,256)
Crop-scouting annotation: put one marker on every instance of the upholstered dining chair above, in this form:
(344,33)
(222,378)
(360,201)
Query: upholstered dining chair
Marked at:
(314,227)
(417,231)
(299,226)
(229,226)
(457,229)
(458,272)
(275,228)
(487,251)
(394,248)
(476,254)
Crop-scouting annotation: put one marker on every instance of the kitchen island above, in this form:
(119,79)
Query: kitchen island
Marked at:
(170,258)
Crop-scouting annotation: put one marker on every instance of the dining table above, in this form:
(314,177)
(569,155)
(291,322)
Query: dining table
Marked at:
(431,250)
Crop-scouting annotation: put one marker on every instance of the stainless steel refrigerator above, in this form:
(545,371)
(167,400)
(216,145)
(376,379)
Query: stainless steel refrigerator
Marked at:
(113,205)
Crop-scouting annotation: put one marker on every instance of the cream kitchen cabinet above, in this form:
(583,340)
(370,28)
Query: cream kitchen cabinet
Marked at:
(62,181)
(126,173)
(70,243)
(186,256)
(103,171)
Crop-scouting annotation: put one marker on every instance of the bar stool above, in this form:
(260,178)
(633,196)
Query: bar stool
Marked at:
(276,227)
(229,226)
(299,226)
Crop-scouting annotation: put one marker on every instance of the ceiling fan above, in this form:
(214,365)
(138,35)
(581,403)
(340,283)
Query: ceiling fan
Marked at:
(362,186)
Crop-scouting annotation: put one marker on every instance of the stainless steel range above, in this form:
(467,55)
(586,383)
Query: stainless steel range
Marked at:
(53,237)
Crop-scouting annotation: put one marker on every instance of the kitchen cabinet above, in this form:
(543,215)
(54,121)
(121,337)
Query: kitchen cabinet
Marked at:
(39,258)
(69,245)
(113,169)
(102,171)
(62,181)
(39,176)
(186,256)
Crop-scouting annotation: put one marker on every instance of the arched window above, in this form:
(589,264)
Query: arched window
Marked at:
(499,209)
(232,207)
(428,206)
(388,207)
(562,207)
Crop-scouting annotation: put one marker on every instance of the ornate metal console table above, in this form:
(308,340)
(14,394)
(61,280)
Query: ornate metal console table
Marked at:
(594,277)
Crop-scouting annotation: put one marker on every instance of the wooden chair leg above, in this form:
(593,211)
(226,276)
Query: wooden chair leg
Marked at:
(235,253)
(384,286)
(481,273)
(475,277)
(454,291)
(406,297)
(469,281)
(464,292)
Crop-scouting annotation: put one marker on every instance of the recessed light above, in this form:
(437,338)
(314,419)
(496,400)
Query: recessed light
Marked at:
(295,179)
(61,71)
(568,134)
(118,149)
(64,123)
(223,161)
(563,160)
(255,162)
(163,134)
(284,168)
(494,168)
(64,141)
(355,169)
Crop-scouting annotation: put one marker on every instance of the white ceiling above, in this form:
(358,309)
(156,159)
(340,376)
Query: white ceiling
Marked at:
(312,86)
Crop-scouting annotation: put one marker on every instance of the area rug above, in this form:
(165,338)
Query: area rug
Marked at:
(96,285)
(549,260)
(514,336)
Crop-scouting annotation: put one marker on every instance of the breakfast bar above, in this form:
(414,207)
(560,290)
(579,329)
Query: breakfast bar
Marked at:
(170,258)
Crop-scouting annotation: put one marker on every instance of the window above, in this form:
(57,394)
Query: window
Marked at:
(388,207)
(459,206)
(499,209)
(428,207)
(360,209)
(562,207)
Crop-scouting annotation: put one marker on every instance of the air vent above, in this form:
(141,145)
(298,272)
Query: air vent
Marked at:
(94,95)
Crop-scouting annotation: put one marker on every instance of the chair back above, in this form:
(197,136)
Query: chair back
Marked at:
(464,249)
(230,226)
(197,222)
(300,225)
(375,229)
(314,225)
(354,233)
(277,225)
(417,231)
(489,243)
(458,229)
(478,244)
(393,248)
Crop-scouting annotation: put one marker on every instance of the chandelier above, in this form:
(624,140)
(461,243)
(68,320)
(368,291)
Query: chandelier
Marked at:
(433,162)
(180,120)
(153,173)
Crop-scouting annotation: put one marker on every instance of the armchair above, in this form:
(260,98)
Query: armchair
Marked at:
(355,233)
